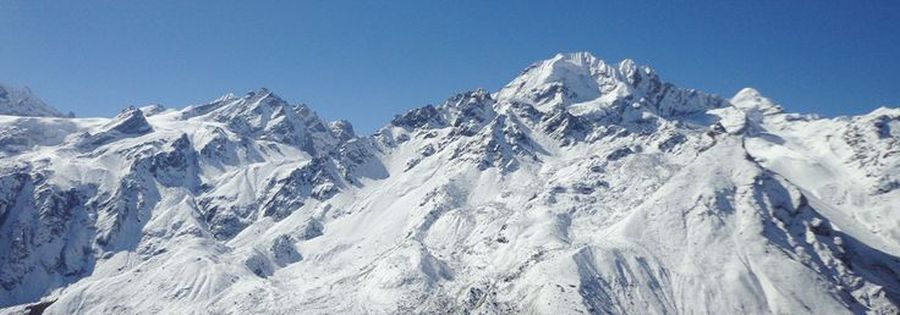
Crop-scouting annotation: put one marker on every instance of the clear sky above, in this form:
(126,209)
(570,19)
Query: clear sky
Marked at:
(367,60)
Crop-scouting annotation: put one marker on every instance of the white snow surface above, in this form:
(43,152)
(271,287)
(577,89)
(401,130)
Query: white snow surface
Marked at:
(580,187)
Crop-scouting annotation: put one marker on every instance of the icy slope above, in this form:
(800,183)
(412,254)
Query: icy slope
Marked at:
(580,187)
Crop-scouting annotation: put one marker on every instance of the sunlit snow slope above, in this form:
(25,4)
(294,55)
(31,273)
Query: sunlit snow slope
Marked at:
(580,187)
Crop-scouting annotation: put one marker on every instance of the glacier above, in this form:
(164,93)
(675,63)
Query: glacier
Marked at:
(579,187)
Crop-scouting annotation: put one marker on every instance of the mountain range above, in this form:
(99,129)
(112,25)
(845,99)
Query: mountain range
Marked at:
(579,187)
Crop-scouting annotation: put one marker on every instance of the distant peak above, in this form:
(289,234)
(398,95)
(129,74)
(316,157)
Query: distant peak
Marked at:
(751,99)
(629,69)
(130,120)
(152,109)
(261,97)
(23,102)
(587,85)
(226,97)
(259,93)
(581,57)
(747,93)
(128,110)
(342,130)
(627,65)
(565,79)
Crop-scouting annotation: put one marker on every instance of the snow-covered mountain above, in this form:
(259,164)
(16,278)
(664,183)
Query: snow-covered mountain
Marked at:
(580,187)
(22,102)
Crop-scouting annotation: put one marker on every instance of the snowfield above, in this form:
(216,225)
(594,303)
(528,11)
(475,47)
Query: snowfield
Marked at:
(580,187)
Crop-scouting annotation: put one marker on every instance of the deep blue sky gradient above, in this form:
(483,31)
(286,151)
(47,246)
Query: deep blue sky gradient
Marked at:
(366,61)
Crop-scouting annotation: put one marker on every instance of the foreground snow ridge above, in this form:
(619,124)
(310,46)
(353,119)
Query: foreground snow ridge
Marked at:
(580,187)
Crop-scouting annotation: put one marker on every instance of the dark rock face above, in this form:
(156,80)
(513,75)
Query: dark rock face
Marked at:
(466,112)
(280,197)
(619,154)
(312,229)
(562,125)
(225,221)
(314,179)
(131,121)
(260,266)
(500,144)
(666,99)
(45,230)
(422,117)
(221,150)
(283,251)
(351,154)
(177,165)
(672,142)
(475,130)
(876,150)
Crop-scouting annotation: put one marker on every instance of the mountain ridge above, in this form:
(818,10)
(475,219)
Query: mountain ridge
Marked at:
(580,186)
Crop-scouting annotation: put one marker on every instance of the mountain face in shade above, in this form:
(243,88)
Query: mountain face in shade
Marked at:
(579,187)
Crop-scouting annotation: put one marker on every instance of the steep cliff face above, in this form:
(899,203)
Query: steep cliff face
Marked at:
(581,187)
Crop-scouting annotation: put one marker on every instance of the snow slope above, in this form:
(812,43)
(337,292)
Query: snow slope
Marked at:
(580,187)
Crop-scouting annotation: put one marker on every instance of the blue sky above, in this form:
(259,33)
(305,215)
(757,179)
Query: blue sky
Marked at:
(366,61)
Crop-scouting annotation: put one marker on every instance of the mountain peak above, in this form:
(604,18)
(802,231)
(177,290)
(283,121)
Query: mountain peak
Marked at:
(227,97)
(260,92)
(130,120)
(579,58)
(581,187)
(750,99)
(558,81)
(627,66)
(585,84)
(747,93)
(22,102)
(251,101)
